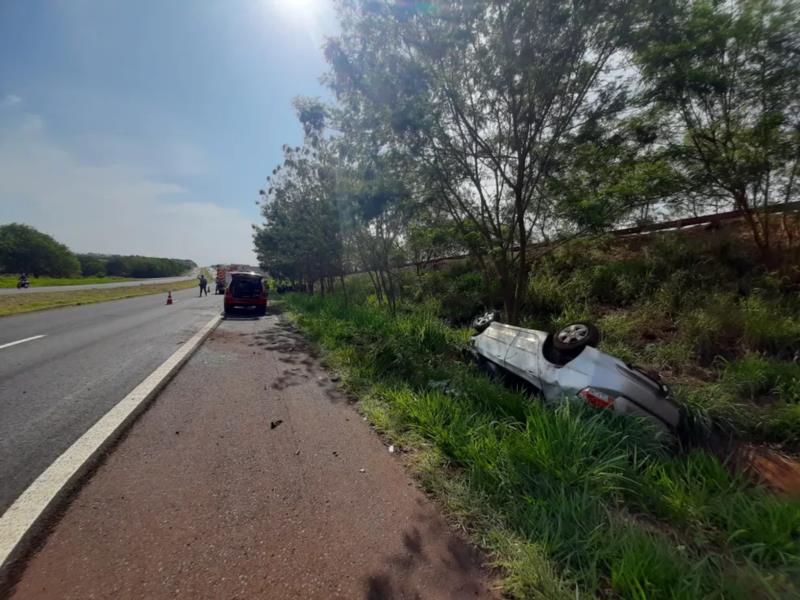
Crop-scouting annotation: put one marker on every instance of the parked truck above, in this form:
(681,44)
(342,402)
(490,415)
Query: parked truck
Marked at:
(221,279)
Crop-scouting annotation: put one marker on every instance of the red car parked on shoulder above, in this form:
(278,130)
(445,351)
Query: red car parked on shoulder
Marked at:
(246,292)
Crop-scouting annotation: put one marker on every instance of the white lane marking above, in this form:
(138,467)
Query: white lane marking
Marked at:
(22,516)
(30,339)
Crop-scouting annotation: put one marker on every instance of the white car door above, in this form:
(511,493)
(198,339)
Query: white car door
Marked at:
(524,355)
(495,341)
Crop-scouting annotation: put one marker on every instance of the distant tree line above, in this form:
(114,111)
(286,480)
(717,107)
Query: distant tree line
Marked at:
(489,126)
(98,265)
(23,249)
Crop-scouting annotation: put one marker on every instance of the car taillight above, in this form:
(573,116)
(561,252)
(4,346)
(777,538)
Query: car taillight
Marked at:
(596,398)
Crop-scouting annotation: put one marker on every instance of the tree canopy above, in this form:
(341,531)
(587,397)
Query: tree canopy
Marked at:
(502,129)
(23,249)
(723,80)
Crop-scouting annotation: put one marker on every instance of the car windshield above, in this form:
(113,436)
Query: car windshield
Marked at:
(246,287)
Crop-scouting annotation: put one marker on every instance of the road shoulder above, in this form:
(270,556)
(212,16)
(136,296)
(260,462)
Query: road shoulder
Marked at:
(251,476)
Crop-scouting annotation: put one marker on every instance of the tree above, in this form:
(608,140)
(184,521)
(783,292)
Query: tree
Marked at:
(726,79)
(380,206)
(483,96)
(614,171)
(92,265)
(301,238)
(432,235)
(23,249)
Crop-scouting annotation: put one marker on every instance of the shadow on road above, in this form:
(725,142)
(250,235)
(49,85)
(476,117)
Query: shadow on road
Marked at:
(459,565)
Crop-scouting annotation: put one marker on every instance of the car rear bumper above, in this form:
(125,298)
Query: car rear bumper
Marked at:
(255,303)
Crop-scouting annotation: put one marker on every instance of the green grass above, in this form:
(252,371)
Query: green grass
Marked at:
(10,281)
(12,304)
(568,501)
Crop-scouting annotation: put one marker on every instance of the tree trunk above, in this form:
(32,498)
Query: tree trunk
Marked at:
(376,286)
(391,292)
(344,289)
(507,287)
(753,222)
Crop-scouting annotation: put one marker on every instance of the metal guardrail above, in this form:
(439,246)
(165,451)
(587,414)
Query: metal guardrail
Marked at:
(652,227)
(706,219)
(639,229)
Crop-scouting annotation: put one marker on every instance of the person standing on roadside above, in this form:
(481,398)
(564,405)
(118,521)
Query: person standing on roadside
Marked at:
(203,285)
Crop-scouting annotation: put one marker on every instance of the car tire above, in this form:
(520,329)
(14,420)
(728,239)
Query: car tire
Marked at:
(483,321)
(576,336)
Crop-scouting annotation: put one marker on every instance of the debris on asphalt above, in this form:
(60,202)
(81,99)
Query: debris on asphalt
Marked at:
(335,378)
(274,424)
(296,452)
(335,453)
(391,449)
(362,470)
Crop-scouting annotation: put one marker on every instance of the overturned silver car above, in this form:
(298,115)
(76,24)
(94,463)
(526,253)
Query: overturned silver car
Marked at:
(568,365)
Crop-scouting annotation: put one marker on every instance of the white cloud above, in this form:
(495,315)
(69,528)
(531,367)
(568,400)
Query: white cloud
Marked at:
(111,208)
(10,100)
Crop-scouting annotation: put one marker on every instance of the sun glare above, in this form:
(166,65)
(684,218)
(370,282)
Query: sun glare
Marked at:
(298,11)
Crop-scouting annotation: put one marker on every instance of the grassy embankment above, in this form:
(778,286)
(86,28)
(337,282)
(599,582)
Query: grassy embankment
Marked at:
(11,304)
(567,499)
(10,281)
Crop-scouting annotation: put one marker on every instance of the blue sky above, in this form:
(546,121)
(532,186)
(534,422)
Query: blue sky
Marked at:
(148,127)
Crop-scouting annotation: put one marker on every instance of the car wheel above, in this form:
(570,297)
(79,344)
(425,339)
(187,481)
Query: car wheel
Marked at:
(483,321)
(576,336)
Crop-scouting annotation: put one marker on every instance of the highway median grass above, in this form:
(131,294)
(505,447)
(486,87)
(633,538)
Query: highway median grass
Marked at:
(12,304)
(10,281)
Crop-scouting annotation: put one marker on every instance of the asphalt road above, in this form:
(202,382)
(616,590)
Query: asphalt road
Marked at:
(91,286)
(52,389)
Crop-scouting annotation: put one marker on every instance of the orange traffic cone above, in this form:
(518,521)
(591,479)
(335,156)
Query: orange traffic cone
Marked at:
(169,297)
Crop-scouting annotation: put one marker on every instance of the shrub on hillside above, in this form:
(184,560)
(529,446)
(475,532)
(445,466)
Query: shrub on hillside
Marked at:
(460,289)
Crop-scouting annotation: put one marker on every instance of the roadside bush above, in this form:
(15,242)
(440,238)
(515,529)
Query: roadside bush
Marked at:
(460,290)
(755,376)
(677,291)
(714,259)
(714,328)
(619,283)
(769,326)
